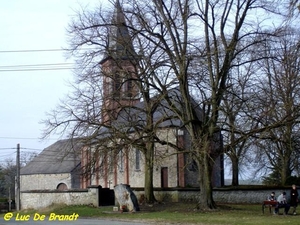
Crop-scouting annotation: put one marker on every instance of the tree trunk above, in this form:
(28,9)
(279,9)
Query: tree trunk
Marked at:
(235,171)
(206,193)
(149,190)
(285,171)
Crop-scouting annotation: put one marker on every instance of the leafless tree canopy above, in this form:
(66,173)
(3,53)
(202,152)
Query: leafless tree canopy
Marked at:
(221,56)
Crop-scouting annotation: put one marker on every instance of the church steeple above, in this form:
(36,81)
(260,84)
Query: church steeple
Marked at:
(118,68)
(120,45)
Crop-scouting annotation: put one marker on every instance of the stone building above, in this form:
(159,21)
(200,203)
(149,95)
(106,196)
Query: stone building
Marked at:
(68,164)
(56,167)
(123,107)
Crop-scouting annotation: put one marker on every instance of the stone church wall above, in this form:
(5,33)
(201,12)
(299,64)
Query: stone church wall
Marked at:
(44,181)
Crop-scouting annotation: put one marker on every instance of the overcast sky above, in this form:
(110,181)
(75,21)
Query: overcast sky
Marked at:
(28,92)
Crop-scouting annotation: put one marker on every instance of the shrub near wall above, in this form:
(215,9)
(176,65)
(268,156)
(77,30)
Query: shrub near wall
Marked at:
(4,205)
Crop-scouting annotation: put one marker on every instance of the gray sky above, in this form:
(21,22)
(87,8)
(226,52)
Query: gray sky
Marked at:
(28,92)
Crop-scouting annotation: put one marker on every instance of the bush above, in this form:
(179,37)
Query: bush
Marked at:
(293,180)
(3,200)
(272,179)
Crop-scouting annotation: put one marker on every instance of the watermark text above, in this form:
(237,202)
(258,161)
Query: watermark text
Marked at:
(39,217)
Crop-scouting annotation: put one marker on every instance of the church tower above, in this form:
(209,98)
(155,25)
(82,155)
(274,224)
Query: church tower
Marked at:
(119,69)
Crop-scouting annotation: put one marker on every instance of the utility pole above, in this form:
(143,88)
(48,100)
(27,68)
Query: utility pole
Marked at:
(18,179)
(9,200)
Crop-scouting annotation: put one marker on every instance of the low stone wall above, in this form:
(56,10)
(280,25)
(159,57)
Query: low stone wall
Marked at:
(44,198)
(242,196)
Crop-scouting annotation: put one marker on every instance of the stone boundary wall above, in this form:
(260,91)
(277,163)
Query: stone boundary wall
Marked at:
(232,196)
(37,199)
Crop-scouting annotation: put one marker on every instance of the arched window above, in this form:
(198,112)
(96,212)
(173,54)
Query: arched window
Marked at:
(62,186)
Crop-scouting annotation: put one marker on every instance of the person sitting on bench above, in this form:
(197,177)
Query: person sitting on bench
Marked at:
(282,203)
(272,197)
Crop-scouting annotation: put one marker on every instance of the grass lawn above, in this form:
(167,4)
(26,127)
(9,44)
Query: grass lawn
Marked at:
(184,213)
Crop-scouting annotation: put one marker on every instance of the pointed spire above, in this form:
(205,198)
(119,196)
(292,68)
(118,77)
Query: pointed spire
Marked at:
(119,39)
(118,16)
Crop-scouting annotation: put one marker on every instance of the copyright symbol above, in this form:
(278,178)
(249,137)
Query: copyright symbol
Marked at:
(8,216)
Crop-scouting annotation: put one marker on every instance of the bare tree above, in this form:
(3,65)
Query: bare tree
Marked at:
(8,173)
(279,91)
(238,124)
(293,7)
(104,109)
(188,44)
(258,106)
(196,44)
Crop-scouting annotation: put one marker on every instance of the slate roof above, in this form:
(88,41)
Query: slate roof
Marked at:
(61,157)
(163,115)
(130,118)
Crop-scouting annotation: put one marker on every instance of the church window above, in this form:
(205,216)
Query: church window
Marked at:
(121,158)
(62,186)
(137,159)
(129,90)
(128,85)
(111,161)
(117,85)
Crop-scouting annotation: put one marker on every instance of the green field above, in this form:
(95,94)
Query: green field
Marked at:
(184,213)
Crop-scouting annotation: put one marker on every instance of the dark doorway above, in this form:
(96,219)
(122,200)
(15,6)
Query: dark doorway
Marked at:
(106,196)
(164,177)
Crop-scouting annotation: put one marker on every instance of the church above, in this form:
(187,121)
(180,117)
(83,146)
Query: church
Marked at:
(105,161)
(124,106)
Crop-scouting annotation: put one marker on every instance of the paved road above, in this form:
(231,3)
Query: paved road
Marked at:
(39,220)
(77,222)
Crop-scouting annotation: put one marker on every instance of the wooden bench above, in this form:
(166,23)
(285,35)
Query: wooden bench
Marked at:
(269,204)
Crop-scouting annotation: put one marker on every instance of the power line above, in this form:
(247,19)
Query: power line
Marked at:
(6,148)
(40,50)
(32,149)
(33,50)
(28,149)
(37,65)
(25,70)
(29,138)
(7,154)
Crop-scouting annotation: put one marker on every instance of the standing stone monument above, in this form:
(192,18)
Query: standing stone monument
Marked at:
(126,198)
